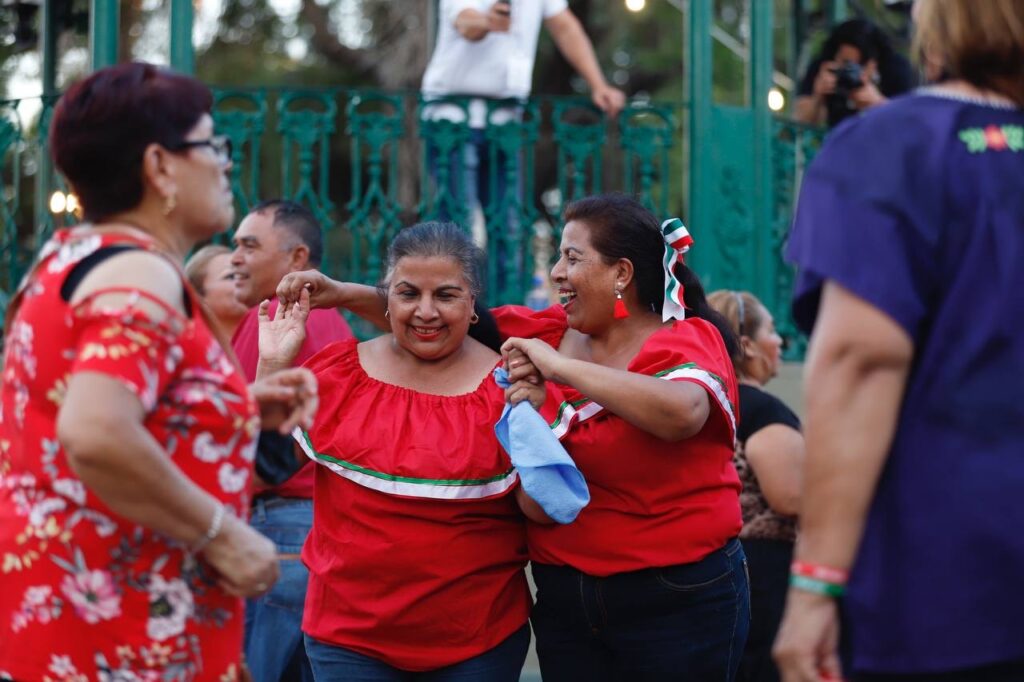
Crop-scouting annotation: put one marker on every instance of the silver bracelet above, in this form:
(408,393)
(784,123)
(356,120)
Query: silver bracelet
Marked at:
(216,523)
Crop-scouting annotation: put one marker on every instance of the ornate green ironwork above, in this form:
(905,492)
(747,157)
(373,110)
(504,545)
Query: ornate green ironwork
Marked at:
(794,146)
(47,181)
(384,135)
(510,214)
(12,256)
(647,136)
(376,130)
(580,135)
(305,122)
(242,115)
(444,131)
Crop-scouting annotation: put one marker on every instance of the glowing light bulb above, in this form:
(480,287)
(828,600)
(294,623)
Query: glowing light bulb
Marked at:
(58,202)
(636,5)
(776,100)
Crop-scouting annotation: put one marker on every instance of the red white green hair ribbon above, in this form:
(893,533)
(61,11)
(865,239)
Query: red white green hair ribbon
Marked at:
(677,242)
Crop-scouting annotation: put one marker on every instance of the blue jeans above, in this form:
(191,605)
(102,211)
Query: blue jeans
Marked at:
(273,623)
(685,622)
(503,663)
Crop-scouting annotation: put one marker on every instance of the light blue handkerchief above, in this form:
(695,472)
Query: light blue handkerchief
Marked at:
(547,472)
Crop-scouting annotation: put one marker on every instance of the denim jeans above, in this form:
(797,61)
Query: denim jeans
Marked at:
(274,647)
(503,663)
(685,622)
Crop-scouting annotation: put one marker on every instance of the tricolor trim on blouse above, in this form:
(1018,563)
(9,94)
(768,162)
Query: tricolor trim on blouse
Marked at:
(581,410)
(430,488)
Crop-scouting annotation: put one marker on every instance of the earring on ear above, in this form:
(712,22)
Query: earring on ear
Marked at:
(387,314)
(170,203)
(474,319)
(619,312)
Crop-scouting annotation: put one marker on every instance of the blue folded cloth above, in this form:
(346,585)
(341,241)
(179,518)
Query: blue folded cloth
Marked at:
(546,470)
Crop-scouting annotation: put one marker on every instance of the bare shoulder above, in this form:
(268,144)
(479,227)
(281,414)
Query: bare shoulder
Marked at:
(139,270)
(479,355)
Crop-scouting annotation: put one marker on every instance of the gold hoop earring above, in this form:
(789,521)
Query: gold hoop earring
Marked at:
(474,319)
(170,203)
(387,314)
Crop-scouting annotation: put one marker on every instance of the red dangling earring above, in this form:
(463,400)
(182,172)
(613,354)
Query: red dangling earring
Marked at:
(619,312)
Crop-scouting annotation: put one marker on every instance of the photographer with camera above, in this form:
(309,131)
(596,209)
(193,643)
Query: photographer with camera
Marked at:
(856,70)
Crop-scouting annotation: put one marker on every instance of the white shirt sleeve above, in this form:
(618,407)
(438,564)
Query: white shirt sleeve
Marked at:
(451,8)
(553,7)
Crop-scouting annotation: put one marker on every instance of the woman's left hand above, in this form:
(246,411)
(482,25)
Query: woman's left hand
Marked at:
(287,398)
(527,390)
(281,338)
(544,358)
(806,647)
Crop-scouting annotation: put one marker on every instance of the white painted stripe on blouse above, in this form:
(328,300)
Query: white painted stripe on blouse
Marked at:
(397,485)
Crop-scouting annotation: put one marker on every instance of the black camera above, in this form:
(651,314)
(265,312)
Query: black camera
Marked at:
(848,78)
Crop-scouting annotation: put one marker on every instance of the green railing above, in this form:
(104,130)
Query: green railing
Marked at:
(361,160)
(388,145)
(794,146)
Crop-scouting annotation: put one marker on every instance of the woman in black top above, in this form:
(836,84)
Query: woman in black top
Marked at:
(769,456)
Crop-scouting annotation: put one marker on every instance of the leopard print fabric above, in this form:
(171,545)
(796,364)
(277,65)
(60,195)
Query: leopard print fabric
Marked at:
(759,521)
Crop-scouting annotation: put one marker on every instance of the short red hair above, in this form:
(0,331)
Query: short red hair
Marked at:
(103,123)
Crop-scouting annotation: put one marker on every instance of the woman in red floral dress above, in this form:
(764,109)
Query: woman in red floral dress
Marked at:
(126,431)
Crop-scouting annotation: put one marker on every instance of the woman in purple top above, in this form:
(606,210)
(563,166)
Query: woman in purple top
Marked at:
(910,241)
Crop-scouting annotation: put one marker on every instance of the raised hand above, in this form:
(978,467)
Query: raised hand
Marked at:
(281,338)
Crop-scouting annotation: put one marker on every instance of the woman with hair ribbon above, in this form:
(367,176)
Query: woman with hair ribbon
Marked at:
(649,581)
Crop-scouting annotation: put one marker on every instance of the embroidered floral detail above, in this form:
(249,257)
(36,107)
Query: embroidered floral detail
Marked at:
(170,604)
(93,595)
(993,138)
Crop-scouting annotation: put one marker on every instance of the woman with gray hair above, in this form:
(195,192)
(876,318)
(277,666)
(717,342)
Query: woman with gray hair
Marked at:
(418,544)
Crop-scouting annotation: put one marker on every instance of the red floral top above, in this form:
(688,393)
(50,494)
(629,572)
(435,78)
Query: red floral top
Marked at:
(87,594)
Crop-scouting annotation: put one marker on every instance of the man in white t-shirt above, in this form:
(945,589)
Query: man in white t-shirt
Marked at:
(487,49)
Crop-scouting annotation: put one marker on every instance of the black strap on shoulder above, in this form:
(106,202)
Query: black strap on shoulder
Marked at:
(85,266)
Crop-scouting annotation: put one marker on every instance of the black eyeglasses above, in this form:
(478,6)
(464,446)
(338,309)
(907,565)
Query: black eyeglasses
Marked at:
(220,144)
